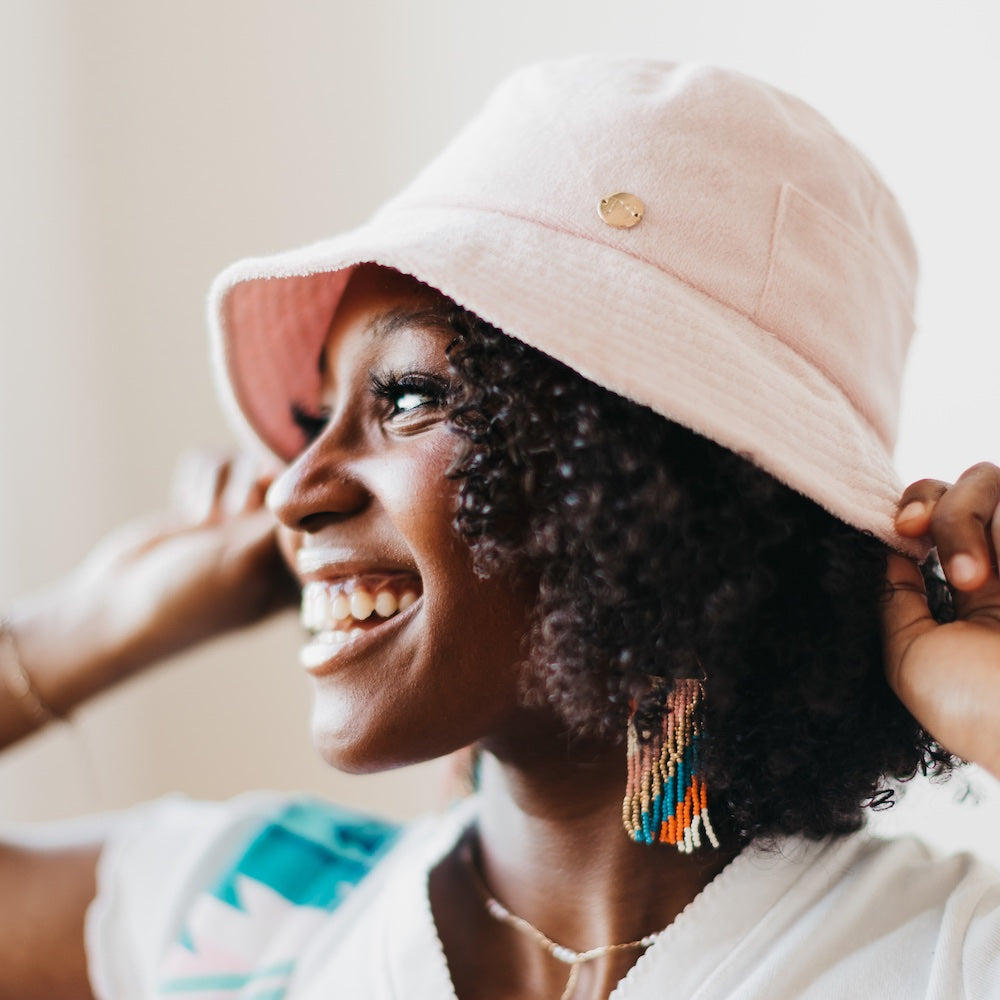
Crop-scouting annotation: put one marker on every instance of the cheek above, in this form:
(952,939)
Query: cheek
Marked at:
(420,498)
(455,676)
(289,543)
(458,681)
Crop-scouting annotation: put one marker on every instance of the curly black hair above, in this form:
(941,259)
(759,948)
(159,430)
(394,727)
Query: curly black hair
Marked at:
(659,553)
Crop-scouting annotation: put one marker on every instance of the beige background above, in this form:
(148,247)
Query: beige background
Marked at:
(146,144)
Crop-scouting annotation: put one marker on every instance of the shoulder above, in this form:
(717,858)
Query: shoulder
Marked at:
(911,876)
(928,921)
(181,882)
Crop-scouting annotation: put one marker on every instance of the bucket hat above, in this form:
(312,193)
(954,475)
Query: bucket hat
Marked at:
(689,237)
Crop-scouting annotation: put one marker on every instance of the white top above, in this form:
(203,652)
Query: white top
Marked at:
(846,917)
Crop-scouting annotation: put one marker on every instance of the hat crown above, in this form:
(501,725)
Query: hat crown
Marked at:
(751,197)
(688,237)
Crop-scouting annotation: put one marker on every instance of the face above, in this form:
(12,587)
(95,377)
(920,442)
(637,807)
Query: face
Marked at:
(412,655)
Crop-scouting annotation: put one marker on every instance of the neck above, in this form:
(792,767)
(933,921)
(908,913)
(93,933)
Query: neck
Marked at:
(553,850)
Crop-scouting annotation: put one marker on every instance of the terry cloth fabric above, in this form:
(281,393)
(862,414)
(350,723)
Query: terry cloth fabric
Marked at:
(764,299)
(846,917)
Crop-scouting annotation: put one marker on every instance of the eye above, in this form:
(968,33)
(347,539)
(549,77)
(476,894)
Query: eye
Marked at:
(408,393)
(410,401)
(311,424)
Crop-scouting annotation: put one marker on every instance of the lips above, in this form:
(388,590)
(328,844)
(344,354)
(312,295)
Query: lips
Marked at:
(337,612)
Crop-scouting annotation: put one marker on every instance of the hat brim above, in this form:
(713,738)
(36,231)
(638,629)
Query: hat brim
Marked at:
(639,331)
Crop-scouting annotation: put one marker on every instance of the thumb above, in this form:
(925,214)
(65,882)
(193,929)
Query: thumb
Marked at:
(905,613)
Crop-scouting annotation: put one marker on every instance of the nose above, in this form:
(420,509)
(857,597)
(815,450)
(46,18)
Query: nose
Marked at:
(316,490)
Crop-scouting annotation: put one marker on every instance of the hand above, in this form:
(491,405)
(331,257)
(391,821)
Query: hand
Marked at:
(948,676)
(159,585)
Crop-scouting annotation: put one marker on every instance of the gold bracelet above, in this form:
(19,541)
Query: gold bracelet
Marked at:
(18,681)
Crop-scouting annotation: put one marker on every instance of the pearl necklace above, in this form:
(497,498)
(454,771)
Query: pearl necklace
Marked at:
(574,959)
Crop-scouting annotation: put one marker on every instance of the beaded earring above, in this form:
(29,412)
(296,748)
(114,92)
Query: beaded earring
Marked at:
(665,798)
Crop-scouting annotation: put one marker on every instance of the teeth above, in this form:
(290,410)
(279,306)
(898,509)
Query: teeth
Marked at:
(323,646)
(314,654)
(386,604)
(313,606)
(329,611)
(362,604)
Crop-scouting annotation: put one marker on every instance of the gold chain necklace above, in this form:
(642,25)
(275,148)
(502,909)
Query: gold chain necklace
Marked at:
(574,959)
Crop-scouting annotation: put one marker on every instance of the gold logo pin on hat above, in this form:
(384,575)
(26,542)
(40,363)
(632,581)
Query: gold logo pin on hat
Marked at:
(621,210)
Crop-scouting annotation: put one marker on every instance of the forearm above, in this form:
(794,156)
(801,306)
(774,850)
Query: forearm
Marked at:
(52,660)
(150,590)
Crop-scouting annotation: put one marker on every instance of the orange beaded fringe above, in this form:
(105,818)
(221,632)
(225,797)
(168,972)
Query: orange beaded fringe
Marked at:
(665,800)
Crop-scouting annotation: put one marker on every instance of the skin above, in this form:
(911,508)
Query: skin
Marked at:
(373,490)
(373,485)
(150,590)
(948,676)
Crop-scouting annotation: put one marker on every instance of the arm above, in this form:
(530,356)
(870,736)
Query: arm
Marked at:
(948,676)
(150,590)
(45,893)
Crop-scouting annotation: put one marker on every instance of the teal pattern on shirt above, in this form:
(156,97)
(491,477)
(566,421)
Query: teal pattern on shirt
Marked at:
(309,856)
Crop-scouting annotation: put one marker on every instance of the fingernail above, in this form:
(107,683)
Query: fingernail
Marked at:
(913,510)
(962,569)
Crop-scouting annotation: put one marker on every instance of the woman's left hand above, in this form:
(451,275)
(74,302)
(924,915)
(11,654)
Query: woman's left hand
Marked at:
(948,676)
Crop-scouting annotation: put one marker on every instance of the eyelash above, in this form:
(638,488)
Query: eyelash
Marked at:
(311,424)
(392,386)
(389,387)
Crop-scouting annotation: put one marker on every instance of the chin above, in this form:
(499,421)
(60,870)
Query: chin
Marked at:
(354,749)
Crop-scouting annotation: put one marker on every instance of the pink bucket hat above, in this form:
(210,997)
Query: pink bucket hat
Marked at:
(688,237)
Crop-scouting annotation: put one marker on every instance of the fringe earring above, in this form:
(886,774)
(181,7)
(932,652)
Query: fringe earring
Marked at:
(665,798)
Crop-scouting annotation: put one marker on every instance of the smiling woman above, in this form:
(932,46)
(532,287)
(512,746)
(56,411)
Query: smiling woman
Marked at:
(598,483)
(365,514)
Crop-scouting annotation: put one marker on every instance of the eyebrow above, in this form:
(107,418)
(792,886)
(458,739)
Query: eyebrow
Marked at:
(388,323)
(392,321)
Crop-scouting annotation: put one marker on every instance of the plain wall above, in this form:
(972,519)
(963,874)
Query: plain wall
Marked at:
(145,145)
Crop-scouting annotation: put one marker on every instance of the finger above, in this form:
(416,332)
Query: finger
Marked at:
(916,507)
(128,541)
(246,486)
(995,539)
(905,614)
(198,484)
(184,484)
(237,496)
(962,527)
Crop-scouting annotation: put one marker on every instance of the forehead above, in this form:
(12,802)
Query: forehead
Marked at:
(377,306)
(380,291)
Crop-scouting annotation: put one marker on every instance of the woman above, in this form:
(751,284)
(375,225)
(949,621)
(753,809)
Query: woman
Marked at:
(636,543)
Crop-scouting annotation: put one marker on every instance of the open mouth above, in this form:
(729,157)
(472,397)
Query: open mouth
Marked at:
(339,611)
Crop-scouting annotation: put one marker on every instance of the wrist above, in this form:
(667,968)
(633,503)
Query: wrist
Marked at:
(17,684)
(62,647)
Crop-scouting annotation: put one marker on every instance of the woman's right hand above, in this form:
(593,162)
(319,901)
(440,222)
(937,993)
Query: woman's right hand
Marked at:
(158,585)
(150,589)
